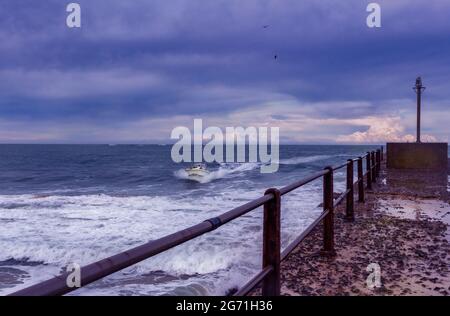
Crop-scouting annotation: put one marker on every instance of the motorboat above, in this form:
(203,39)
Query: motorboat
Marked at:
(197,171)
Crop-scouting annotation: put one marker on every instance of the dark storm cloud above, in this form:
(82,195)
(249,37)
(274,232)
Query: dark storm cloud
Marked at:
(146,59)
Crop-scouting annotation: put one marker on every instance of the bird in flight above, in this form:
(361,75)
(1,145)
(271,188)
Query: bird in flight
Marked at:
(266,27)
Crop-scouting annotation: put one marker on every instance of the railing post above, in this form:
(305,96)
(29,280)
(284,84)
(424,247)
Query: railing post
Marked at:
(271,244)
(369,171)
(374,173)
(328,222)
(360,181)
(349,210)
(382,153)
(378,157)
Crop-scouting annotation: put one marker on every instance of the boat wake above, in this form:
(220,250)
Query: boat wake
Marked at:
(224,170)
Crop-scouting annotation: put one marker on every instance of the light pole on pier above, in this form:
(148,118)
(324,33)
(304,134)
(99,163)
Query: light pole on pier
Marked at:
(419,88)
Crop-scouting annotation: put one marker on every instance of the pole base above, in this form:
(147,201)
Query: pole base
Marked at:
(349,219)
(328,253)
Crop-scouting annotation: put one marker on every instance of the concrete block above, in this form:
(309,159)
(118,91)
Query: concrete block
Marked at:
(432,156)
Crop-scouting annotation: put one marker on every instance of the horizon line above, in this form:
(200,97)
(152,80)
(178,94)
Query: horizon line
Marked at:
(169,144)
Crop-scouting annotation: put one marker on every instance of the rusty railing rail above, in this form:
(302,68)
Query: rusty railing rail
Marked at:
(269,276)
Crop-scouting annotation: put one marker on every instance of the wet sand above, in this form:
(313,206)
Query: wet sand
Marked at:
(402,227)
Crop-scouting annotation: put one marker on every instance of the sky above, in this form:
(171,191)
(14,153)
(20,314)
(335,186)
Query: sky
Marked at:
(135,70)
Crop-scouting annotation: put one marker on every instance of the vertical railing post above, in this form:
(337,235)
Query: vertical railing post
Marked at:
(349,210)
(382,153)
(360,181)
(378,157)
(374,174)
(369,171)
(271,243)
(328,205)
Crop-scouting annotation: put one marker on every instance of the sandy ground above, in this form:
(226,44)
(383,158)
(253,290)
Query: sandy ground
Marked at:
(402,228)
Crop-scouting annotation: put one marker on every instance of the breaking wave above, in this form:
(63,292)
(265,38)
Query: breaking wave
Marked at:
(58,230)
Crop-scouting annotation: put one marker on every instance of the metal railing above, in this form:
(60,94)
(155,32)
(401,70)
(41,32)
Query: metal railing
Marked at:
(272,254)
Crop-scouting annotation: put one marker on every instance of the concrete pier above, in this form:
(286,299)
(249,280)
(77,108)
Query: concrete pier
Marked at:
(403,228)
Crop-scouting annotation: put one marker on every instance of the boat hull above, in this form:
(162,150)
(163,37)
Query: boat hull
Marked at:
(197,173)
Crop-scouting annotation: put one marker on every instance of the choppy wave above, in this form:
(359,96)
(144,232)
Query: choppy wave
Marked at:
(305,159)
(309,159)
(117,202)
(59,230)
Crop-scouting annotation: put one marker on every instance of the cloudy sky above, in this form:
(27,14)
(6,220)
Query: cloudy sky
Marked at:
(137,69)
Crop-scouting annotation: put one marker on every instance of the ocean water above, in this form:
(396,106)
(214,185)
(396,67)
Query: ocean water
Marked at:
(63,204)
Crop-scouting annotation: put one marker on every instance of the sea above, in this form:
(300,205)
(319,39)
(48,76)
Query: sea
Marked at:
(65,204)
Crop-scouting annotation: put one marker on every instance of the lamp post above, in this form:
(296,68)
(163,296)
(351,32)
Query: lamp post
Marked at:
(419,88)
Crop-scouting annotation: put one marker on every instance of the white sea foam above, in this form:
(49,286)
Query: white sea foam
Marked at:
(58,230)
